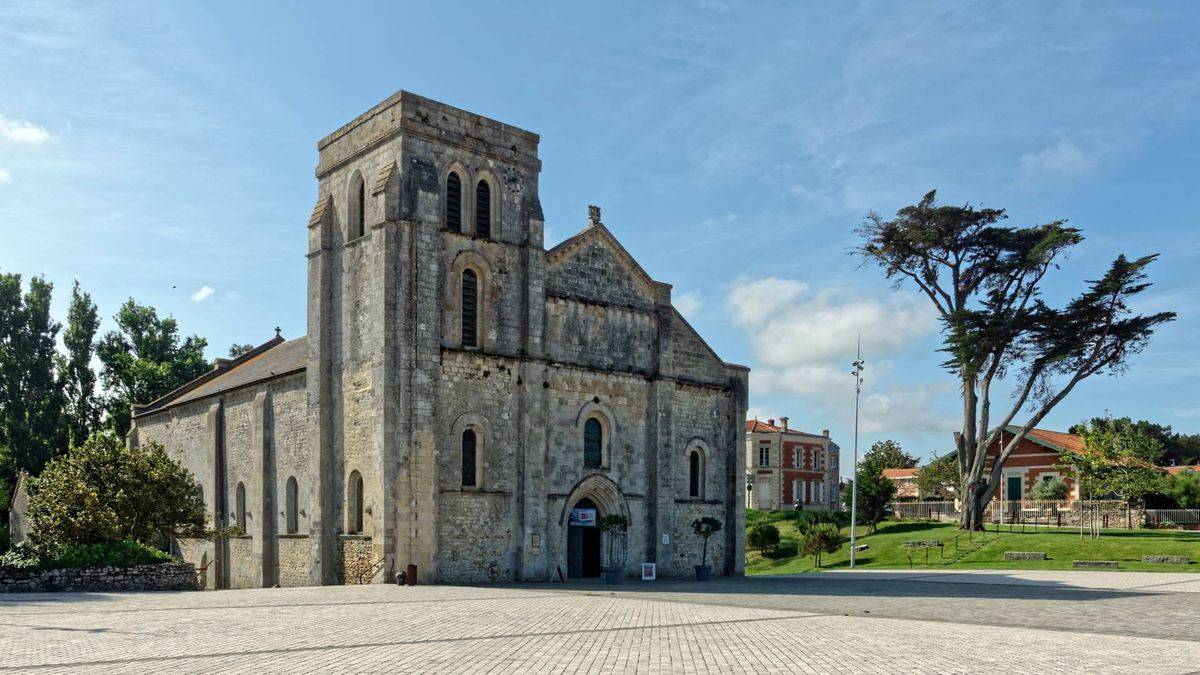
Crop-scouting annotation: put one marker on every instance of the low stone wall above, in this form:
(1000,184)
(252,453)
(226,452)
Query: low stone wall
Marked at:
(160,577)
(1024,555)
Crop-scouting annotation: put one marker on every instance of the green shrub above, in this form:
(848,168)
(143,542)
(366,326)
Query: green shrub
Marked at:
(1049,490)
(103,491)
(820,538)
(1185,490)
(5,540)
(763,536)
(805,519)
(26,556)
(32,556)
(110,554)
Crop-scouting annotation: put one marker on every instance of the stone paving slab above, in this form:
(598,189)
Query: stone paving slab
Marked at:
(526,629)
(1173,582)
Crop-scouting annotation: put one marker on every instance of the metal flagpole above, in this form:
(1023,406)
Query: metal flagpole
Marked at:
(856,371)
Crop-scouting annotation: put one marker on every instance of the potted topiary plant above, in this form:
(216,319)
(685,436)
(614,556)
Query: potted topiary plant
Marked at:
(613,525)
(704,528)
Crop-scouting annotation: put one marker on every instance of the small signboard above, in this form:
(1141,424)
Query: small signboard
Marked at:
(649,571)
(583,517)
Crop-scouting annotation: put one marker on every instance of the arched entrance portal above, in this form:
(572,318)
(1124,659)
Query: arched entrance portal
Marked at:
(583,540)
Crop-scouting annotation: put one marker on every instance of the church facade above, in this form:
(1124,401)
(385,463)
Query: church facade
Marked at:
(465,400)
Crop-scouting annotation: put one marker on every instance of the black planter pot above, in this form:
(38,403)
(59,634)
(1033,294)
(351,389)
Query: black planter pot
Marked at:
(612,575)
(703,572)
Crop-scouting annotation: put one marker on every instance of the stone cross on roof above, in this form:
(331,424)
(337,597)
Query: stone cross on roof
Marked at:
(593,215)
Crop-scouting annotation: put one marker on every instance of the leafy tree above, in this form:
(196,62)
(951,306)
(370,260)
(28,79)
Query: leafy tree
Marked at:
(79,381)
(888,455)
(236,350)
(874,494)
(611,524)
(1177,448)
(1049,490)
(104,492)
(144,360)
(985,282)
(938,478)
(818,539)
(31,399)
(1184,489)
(704,528)
(1118,458)
(763,536)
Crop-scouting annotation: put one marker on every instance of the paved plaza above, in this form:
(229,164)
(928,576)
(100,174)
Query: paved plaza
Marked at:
(879,623)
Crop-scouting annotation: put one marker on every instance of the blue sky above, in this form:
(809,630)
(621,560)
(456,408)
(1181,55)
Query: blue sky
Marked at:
(166,152)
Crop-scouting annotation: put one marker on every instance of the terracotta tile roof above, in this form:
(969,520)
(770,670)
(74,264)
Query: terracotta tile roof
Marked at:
(900,473)
(1184,468)
(1055,440)
(760,427)
(272,359)
(1069,441)
(756,427)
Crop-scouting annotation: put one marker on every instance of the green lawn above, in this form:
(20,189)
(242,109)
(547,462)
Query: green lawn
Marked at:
(983,550)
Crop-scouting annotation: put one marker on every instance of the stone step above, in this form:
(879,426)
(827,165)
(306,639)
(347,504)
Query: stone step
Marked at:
(1024,555)
(1169,559)
(1094,564)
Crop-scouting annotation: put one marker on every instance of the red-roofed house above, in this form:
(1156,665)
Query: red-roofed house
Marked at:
(1035,459)
(787,467)
(905,481)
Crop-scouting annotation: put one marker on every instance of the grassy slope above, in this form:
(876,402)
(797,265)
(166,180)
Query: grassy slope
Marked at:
(985,551)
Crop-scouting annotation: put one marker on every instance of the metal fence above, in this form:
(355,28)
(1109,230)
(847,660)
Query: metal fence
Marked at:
(1186,519)
(1105,514)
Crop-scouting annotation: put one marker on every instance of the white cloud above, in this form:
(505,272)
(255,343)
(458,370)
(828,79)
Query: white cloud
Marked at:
(791,325)
(918,410)
(20,131)
(5,176)
(203,294)
(1062,160)
(688,303)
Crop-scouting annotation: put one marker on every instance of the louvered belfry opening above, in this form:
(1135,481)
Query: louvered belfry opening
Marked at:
(453,203)
(470,309)
(483,210)
(468,458)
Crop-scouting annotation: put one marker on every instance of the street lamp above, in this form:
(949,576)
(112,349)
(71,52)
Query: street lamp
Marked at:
(856,370)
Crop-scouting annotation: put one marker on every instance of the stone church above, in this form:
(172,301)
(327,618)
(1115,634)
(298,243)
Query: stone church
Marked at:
(465,400)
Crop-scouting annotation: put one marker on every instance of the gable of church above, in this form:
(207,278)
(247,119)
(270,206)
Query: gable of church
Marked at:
(690,356)
(592,267)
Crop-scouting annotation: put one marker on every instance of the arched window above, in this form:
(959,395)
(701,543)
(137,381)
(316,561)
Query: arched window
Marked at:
(593,443)
(695,474)
(358,207)
(470,309)
(354,504)
(469,471)
(240,507)
(453,202)
(483,209)
(291,510)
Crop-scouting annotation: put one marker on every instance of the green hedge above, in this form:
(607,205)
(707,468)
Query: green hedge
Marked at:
(27,556)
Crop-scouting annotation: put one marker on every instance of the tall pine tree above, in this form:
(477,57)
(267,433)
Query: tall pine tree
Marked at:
(79,380)
(31,398)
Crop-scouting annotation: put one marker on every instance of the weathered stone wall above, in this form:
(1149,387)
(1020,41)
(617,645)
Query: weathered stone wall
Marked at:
(602,336)
(159,577)
(293,560)
(596,274)
(354,559)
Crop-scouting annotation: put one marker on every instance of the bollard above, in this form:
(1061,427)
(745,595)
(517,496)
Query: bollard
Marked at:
(410,575)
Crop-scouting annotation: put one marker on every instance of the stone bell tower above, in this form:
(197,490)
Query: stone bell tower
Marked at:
(409,193)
